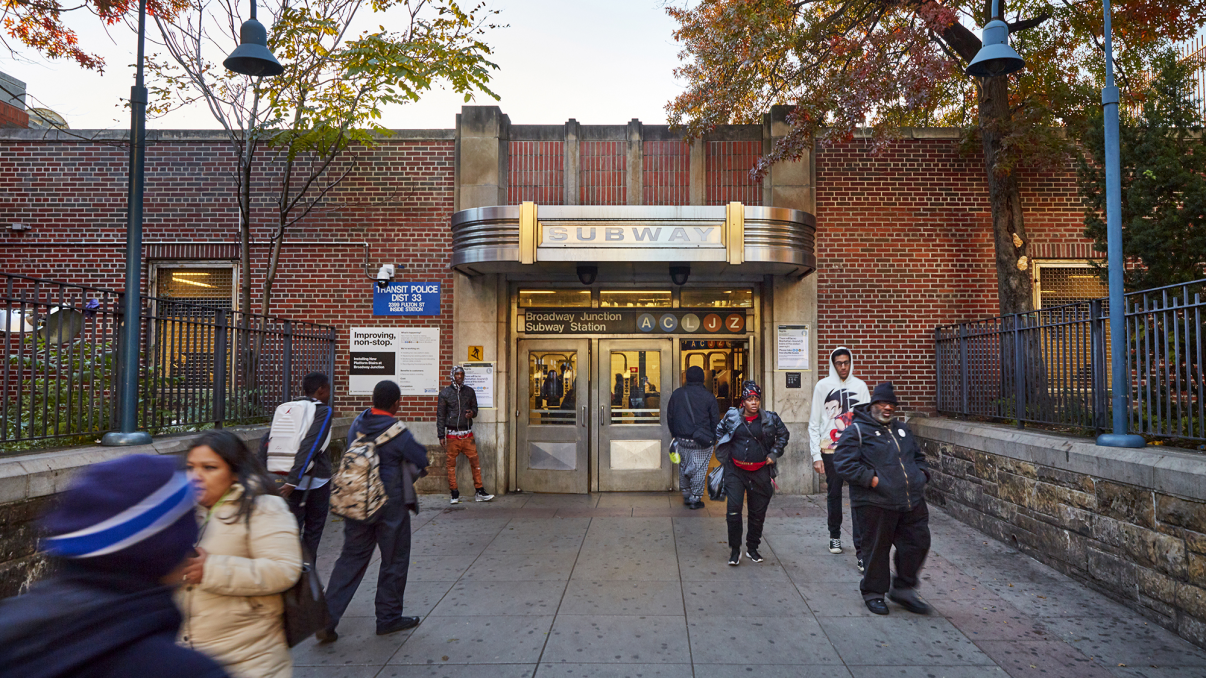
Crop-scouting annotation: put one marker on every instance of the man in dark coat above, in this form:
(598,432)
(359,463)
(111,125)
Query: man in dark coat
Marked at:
(693,415)
(887,472)
(388,530)
(456,406)
(116,537)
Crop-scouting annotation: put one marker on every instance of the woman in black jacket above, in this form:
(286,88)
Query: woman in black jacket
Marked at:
(749,441)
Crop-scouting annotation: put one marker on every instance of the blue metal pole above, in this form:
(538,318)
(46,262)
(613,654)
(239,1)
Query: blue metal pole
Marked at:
(1119,379)
(131,327)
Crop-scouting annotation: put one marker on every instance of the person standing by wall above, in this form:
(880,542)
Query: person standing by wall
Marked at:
(389,529)
(749,441)
(456,407)
(887,472)
(693,415)
(833,397)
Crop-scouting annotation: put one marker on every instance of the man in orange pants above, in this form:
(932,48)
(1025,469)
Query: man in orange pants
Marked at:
(455,410)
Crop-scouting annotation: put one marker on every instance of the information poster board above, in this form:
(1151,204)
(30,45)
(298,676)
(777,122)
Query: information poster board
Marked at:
(481,377)
(410,357)
(792,350)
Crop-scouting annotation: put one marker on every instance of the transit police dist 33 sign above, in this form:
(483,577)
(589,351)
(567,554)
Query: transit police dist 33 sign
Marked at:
(403,298)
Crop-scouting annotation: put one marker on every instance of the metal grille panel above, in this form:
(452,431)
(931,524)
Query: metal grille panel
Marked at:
(537,172)
(1060,285)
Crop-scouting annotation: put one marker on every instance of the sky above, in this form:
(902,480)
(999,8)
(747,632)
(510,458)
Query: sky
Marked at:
(600,62)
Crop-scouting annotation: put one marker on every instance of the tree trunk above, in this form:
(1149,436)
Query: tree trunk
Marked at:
(1015,292)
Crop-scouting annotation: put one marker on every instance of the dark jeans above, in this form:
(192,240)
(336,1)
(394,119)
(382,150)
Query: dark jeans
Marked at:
(756,486)
(835,483)
(909,532)
(312,516)
(390,532)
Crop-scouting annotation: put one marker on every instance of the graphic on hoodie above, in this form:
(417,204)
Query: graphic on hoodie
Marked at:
(833,402)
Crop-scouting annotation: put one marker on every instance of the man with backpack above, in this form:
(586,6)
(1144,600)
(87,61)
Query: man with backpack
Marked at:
(693,415)
(296,451)
(395,460)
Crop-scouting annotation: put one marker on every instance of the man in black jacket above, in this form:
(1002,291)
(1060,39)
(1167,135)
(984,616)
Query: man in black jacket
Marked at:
(693,415)
(388,530)
(456,407)
(887,472)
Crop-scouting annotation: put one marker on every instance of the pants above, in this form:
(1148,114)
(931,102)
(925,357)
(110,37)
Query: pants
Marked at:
(909,532)
(693,470)
(455,447)
(756,485)
(390,533)
(311,517)
(835,483)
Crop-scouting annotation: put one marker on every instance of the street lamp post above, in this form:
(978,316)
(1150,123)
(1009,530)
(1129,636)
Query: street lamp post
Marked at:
(251,57)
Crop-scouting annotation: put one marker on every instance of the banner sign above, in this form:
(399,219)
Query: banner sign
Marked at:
(791,351)
(624,321)
(401,298)
(410,357)
(480,375)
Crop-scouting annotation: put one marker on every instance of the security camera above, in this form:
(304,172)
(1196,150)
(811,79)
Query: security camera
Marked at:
(385,275)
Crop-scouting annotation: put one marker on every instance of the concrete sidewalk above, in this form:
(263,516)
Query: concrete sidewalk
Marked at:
(614,585)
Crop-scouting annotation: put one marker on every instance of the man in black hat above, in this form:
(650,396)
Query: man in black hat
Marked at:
(887,472)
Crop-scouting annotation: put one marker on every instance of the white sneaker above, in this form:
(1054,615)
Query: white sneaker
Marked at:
(455,500)
(481,495)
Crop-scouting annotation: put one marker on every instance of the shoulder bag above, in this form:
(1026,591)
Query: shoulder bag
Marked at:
(305,604)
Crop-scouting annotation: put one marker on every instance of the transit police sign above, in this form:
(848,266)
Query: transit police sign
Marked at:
(401,298)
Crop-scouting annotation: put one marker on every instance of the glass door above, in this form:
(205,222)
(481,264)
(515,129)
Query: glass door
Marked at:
(635,382)
(553,441)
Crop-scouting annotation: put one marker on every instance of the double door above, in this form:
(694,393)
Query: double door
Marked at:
(592,415)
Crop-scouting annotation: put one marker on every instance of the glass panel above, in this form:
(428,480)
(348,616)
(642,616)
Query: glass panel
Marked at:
(725,365)
(716,297)
(552,388)
(635,299)
(635,398)
(554,298)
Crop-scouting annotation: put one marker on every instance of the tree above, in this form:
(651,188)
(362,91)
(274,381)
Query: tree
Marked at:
(40,25)
(886,64)
(1163,162)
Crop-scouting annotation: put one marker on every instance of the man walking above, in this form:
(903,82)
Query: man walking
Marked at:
(309,466)
(833,397)
(887,472)
(693,414)
(388,530)
(455,409)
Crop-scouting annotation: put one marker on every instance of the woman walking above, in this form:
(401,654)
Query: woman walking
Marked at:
(247,555)
(749,441)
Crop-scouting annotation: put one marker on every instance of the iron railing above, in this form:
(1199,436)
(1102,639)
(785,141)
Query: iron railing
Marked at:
(200,365)
(1051,366)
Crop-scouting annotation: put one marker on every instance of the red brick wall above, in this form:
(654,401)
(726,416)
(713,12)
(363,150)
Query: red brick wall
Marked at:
(904,243)
(398,198)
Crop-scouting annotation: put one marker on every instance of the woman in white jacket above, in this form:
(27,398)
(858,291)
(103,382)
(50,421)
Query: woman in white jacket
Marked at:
(247,555)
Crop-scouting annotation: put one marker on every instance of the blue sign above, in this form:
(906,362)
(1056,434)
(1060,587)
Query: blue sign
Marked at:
(401,298)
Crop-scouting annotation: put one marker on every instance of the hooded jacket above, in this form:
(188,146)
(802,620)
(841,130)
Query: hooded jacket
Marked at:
(693,409)
(771,426)
(868,449)
(451,406)
(831,398)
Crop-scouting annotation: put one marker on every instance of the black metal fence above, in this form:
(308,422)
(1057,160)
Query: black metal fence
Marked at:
(1052,366)
(200,365)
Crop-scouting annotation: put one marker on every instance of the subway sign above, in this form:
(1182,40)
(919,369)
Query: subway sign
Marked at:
(689,321)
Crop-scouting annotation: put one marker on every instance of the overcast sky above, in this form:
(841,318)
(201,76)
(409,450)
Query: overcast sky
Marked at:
(601,62)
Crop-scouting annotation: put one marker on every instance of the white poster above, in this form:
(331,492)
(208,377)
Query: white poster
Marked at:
(481,377)
(792,351)
(419,361)
(410,357)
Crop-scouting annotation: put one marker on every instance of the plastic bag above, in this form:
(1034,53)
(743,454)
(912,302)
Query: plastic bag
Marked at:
(675,457)
(716,483)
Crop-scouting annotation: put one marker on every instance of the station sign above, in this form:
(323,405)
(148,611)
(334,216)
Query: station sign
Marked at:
(705,321)
(407,298)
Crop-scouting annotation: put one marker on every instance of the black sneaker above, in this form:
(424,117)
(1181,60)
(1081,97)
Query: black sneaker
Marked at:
(877,605)
(861,569)
(456,497)
(908,599)
(402,624)
(695,505)
(753,555)
(735,557)
(481,495)
(326,636)
(835,546)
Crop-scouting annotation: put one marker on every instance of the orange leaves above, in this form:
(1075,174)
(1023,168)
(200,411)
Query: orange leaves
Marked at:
(40,26)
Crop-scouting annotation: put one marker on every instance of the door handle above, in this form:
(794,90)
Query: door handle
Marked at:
(584,416)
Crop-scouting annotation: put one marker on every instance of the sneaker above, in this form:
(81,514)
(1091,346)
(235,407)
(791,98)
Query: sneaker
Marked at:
(401,625)
(861,569)
(696,505)
(835,545)
(456,497)
(877,605)
(908,599)
(326,636)
(753,555)
(481,495)
(735,557)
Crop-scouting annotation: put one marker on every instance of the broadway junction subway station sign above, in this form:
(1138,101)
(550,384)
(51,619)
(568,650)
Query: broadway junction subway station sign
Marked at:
(704,322)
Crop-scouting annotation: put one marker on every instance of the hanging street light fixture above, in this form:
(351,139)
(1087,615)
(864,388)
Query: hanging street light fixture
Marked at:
(995,57)
(252,56)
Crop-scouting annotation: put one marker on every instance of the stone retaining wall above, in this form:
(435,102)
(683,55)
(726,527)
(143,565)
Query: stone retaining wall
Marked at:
(1131,523)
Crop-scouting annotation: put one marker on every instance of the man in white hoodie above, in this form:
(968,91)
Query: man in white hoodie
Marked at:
(833,402)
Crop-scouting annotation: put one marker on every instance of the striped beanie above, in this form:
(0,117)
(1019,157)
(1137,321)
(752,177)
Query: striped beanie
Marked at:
(133,515)
(750,389)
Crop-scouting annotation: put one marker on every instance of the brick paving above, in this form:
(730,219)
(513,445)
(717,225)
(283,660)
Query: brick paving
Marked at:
(614,585)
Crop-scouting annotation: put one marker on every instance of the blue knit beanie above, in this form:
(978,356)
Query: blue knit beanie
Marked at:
(132,515)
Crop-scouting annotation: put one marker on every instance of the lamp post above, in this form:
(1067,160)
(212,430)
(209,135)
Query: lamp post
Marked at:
(250,58)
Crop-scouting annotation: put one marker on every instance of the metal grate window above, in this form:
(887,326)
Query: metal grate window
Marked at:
(1058,285)
(666,175)
(196,289)
(537,172)
(604,166)
(728,164)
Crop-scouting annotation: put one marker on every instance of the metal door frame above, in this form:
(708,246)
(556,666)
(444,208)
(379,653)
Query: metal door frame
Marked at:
(651,480)
(582,419)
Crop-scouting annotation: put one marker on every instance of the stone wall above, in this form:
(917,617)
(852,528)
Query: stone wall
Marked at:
(1131,523)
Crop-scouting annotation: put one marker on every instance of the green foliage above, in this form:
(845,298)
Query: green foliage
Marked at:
(1163,162)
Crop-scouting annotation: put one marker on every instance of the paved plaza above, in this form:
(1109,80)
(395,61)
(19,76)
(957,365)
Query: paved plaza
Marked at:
(614,585)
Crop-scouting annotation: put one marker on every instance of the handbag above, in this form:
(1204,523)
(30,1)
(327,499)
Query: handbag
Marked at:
(306,610)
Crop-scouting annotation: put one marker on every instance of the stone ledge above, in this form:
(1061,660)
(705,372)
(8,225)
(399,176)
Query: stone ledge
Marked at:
(1166,470)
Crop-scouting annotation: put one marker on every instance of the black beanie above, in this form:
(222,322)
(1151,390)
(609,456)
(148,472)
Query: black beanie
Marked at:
(884,393)
(695,375)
